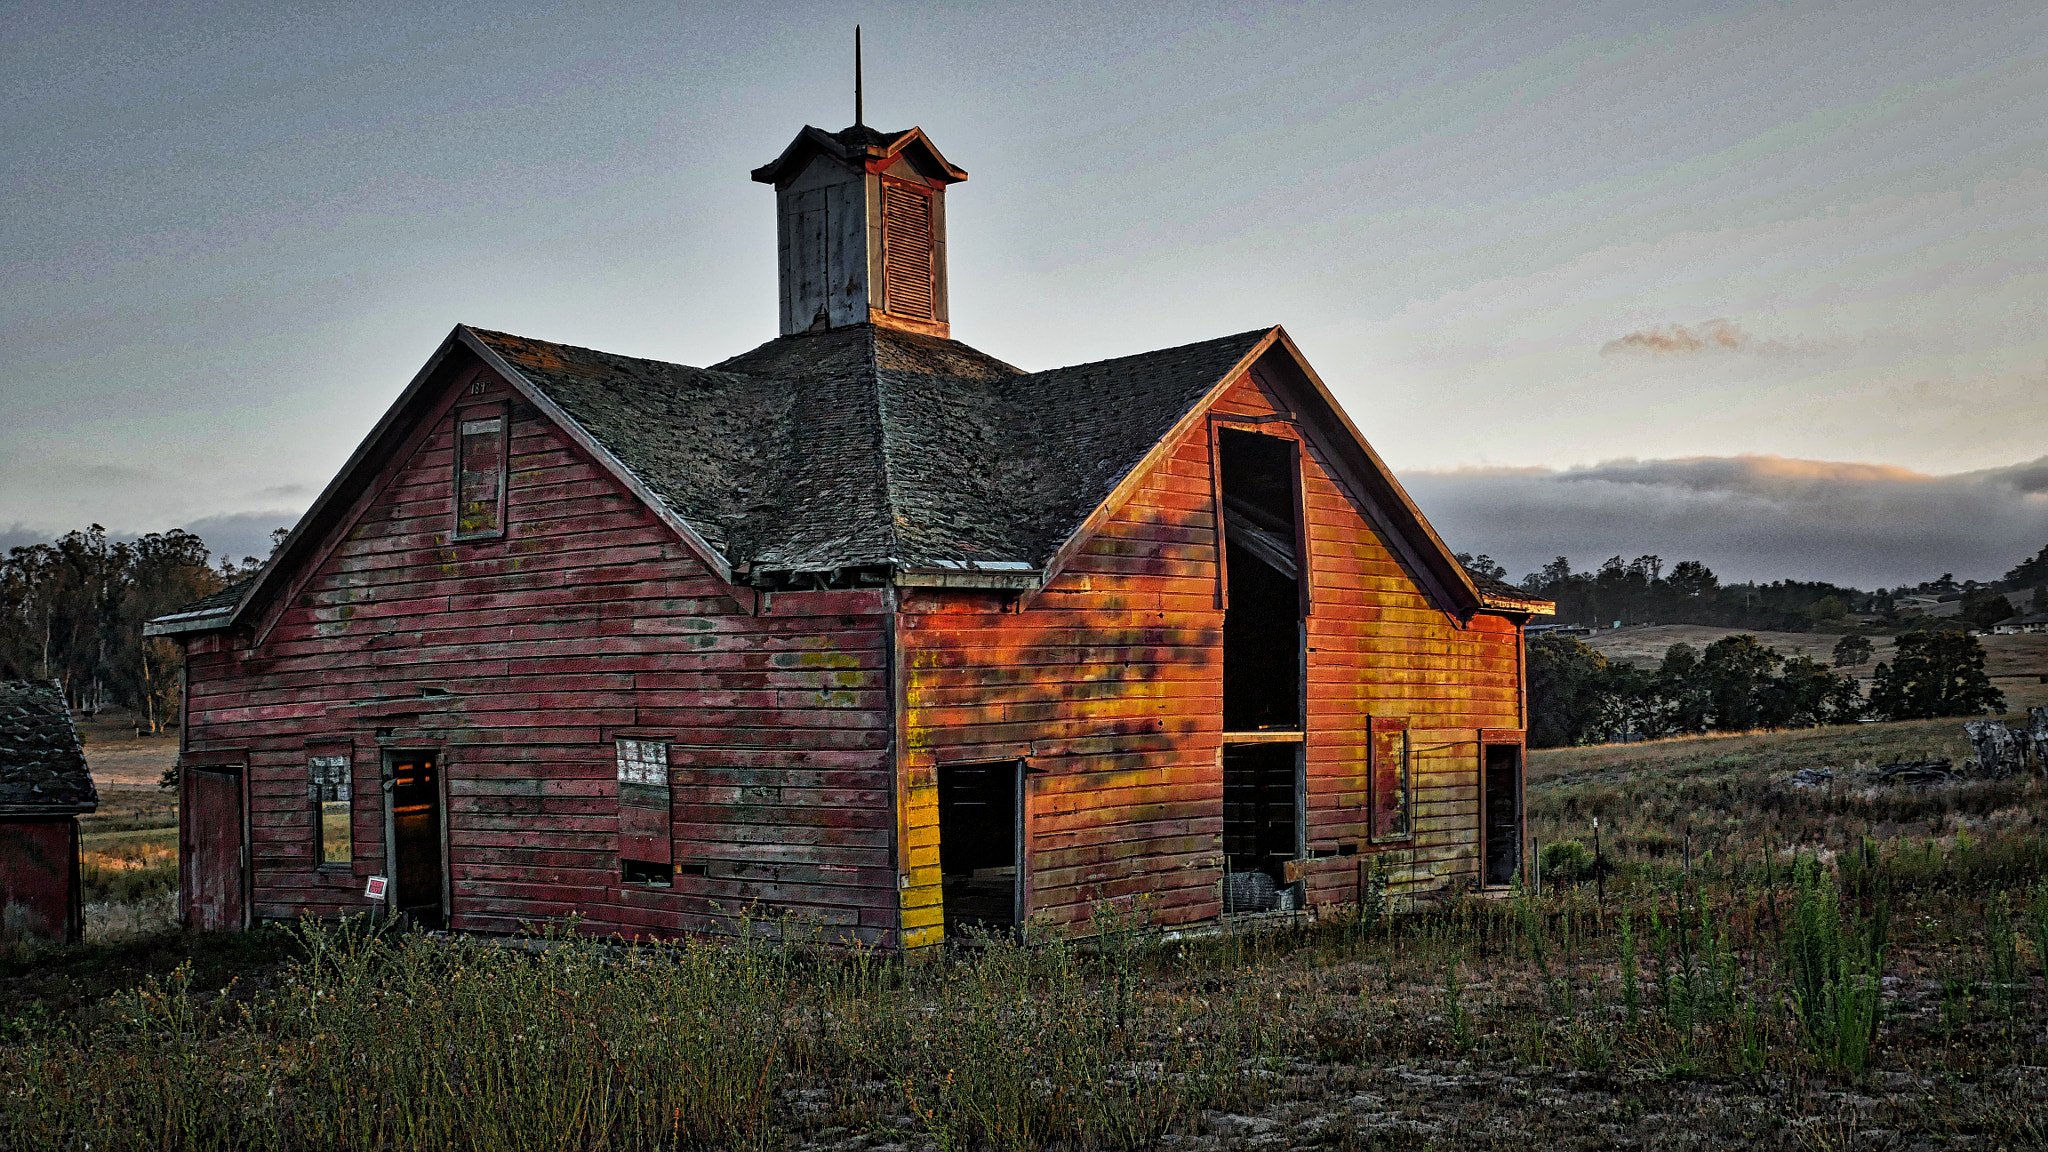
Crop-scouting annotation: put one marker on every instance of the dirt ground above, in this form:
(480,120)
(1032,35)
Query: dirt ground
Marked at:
(2016,664)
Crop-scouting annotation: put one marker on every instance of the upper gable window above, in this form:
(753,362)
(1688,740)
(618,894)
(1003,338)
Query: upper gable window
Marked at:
(480,452)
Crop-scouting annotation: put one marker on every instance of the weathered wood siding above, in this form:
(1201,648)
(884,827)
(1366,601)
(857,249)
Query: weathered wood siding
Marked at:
(589,620)
(39,879)
(1110,683)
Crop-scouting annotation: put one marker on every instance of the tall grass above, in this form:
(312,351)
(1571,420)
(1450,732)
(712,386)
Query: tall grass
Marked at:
(1835,969)
(377,1039)
(381,1040)
(1808,954)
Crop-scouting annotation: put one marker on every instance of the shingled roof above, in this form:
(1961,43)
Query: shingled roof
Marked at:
(866,453)
(205,612)
(42,767)
(867,446)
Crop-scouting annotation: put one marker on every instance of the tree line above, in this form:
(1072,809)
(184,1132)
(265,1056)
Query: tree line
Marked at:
(1737,684)
(72,611)
(1642,591)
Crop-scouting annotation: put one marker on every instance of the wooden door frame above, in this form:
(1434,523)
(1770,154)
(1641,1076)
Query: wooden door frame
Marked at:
(1020,895)
(386,754)
(1020,829)
(235,764)
(1518,740)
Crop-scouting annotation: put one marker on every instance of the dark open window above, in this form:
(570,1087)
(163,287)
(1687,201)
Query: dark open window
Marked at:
(980,845)
(646,842)
(1262,620)
(480,454)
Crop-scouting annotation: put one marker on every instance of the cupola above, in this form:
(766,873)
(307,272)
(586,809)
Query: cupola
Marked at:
(861,229)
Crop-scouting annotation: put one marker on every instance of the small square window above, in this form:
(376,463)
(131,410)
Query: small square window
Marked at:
(335,846)
(643,762)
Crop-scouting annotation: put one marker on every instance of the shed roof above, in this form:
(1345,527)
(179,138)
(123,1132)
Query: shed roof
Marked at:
(42,767)
(205,612)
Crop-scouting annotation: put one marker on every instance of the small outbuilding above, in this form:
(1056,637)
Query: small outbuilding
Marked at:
(44,787)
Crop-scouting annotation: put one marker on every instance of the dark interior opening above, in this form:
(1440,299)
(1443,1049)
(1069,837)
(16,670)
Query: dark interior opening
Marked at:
(1261,813)
(979,857)
(1503,848)
(416,837)
(644,872)
(1262,632)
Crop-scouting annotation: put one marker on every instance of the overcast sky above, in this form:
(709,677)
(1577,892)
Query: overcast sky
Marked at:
(1760,284)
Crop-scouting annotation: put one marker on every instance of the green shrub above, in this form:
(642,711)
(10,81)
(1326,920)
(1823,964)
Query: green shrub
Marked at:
(1566,862)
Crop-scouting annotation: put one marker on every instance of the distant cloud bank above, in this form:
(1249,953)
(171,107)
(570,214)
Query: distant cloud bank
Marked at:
(1748,517)
(232,536)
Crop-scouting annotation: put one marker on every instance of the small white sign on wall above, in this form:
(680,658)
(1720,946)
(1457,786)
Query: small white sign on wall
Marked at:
(374,890)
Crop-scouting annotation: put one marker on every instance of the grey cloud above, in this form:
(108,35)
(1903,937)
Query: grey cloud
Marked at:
(2028,478)
(21,536)
(1748,517)
(240,534)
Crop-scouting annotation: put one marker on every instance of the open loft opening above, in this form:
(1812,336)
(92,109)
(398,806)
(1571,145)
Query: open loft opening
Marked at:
(1259,482)
(980,846)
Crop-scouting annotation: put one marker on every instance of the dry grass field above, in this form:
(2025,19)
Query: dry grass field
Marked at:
(2016,664)
(129,844)
(1846,966)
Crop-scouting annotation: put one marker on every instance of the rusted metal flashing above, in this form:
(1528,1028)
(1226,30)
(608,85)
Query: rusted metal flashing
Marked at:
(998,575)
(177,622)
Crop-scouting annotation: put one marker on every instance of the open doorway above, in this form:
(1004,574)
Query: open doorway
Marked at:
(1501,850)
(1262,619)
(1261,822)
(981,842)
(417,869)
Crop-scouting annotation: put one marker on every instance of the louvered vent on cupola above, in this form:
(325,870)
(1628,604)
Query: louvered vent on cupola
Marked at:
(861,225)
(908,261)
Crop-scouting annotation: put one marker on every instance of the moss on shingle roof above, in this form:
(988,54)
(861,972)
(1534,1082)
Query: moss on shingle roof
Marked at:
(42,767)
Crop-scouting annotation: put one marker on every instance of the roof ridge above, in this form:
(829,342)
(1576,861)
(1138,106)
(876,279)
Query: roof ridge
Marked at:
(603,352)
(1249,332)
(884,450)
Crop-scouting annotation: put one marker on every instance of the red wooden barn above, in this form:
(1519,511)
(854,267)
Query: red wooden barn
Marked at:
(863,625)
(44,787)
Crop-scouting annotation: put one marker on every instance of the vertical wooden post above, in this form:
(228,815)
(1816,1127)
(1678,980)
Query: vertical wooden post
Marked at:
(1599,873)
